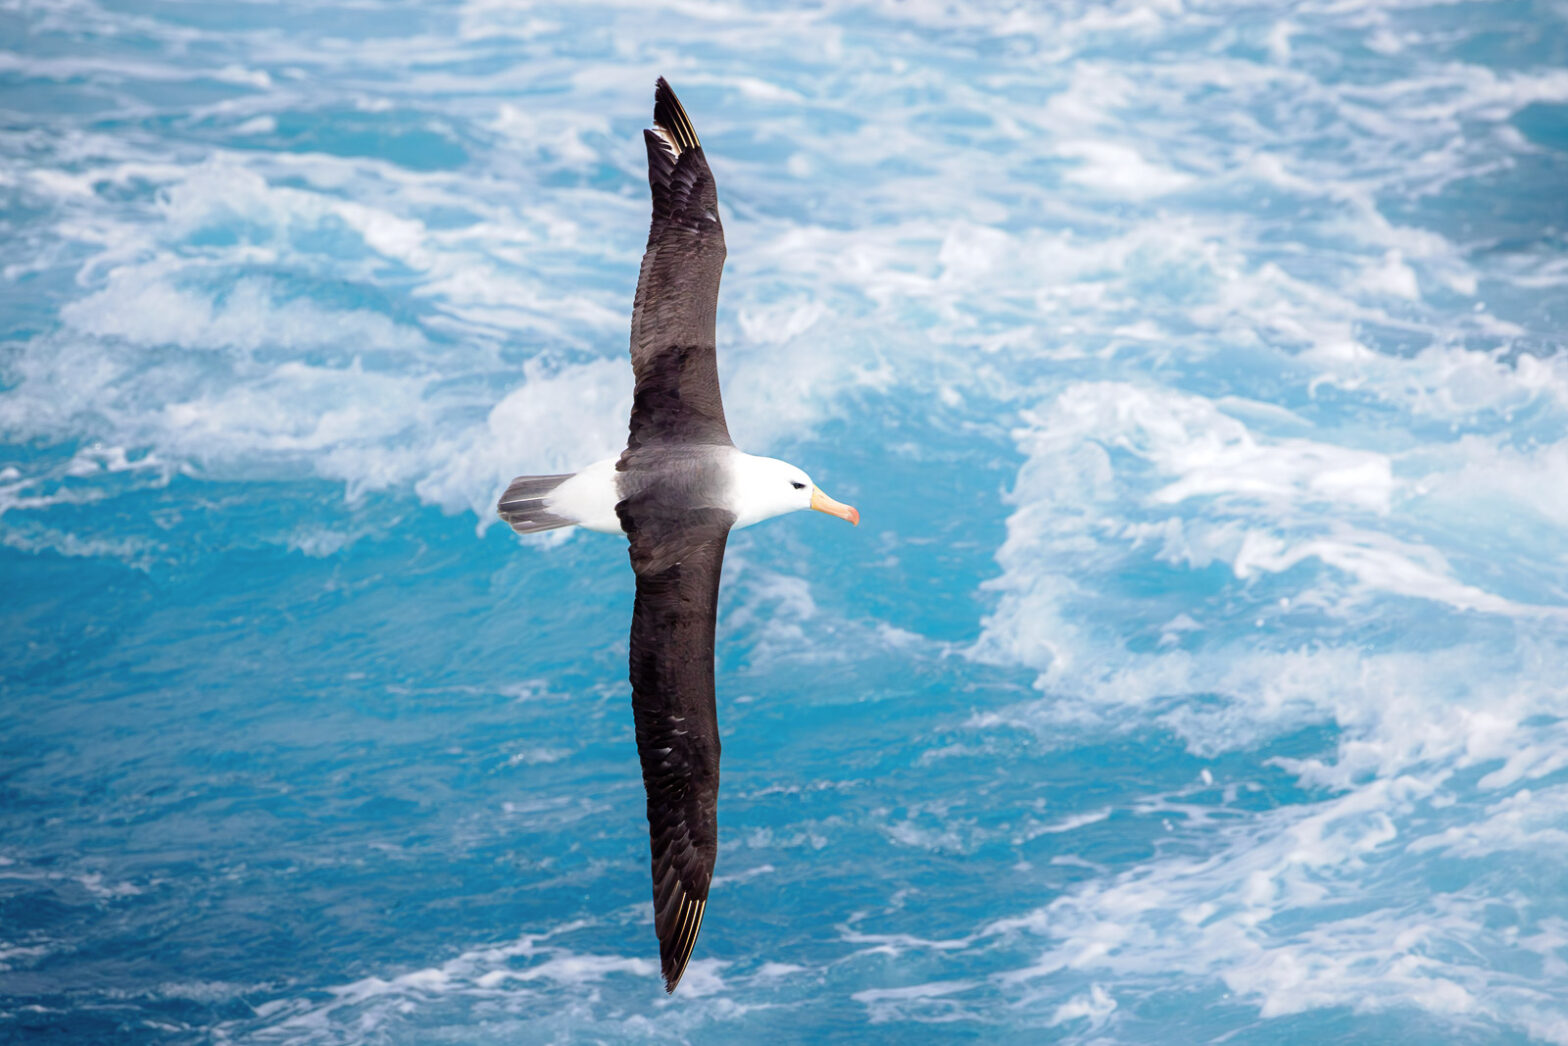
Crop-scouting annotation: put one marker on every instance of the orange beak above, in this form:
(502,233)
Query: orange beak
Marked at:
(822,503)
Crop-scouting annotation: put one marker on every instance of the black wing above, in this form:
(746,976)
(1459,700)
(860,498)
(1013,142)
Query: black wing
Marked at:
(678,557)
(677,398)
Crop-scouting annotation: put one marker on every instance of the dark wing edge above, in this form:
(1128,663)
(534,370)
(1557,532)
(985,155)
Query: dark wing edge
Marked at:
(673,318)
(670,117)
(678,562)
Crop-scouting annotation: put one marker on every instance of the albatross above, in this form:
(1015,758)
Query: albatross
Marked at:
(676,492)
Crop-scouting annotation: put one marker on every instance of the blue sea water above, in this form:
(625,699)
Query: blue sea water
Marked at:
(1200,669)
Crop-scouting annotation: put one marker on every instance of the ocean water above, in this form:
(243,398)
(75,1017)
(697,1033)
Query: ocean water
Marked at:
(1199,672)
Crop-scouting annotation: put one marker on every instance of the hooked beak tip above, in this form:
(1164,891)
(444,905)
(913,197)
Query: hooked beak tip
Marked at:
(822,503)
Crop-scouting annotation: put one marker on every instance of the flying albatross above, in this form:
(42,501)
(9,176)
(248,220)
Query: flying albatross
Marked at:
(676,492)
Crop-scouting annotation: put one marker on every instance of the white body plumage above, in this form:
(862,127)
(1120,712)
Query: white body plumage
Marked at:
(754,489)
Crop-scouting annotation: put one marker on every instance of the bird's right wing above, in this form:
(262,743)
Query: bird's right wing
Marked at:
(677,397)
(678,558)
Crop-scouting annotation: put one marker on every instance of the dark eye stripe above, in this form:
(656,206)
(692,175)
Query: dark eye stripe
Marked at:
(797,486)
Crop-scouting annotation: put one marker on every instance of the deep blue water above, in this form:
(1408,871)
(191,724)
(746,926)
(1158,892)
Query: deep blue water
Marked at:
(1198,673)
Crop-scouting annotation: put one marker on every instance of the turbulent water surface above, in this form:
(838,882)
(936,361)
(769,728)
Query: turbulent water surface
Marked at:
(1198,671)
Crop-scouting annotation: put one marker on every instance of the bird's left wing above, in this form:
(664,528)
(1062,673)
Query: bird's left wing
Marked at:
(677,395)
(678,556)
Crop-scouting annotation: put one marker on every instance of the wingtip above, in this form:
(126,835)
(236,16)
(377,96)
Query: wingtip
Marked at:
(670,118)
(672,978)
(679,949)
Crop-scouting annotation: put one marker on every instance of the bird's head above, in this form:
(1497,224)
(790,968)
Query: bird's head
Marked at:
(767,487)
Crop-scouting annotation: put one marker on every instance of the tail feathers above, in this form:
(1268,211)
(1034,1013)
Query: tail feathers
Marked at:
(525,505)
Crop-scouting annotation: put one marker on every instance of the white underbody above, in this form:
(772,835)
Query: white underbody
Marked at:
(759,488)
(589,498)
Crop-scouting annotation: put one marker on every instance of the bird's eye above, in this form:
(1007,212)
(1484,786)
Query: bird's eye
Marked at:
(797,486)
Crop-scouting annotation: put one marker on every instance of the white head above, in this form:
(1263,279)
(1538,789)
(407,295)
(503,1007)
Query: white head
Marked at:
(761,488)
